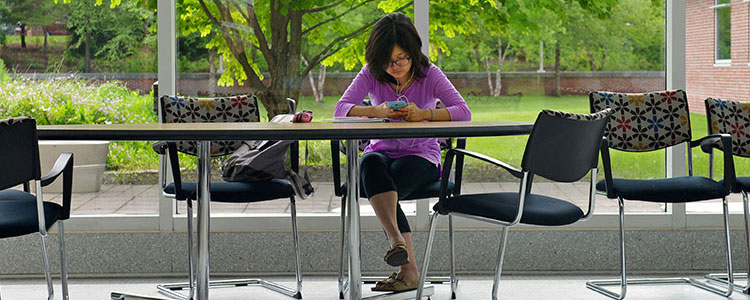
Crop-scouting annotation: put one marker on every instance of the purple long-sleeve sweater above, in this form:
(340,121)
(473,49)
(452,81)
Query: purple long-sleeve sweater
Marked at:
(423,92)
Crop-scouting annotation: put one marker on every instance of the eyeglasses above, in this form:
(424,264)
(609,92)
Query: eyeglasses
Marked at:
(399,62)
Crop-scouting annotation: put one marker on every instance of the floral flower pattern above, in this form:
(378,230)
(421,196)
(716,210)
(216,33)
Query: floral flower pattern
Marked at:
(209,110)
(730,117)
(644,121)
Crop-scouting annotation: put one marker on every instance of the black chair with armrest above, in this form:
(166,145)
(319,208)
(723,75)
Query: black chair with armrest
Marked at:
(562,147)
(652,121)
(431,190)
(21,212)
(733,118)
(228,109)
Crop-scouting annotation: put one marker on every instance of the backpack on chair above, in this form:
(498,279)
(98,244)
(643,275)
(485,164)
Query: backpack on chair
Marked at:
(266,160)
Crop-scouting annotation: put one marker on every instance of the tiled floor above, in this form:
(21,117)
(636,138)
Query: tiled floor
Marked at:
(324,288)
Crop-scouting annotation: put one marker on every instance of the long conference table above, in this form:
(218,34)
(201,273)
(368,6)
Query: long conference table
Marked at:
(204,133)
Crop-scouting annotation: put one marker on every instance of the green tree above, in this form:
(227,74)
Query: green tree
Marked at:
(276,29)
(109,33)
(27,13)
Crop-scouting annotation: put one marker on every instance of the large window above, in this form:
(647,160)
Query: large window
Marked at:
(497,70)
(723,21)
(75,62)
(507,75)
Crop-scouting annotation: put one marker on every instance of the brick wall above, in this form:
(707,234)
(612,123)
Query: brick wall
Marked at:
(703,78)
(468,83)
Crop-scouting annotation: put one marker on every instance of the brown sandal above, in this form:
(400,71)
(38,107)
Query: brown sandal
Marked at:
(397,255)
(395,283)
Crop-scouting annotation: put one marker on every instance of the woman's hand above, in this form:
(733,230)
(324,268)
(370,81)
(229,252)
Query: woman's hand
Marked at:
(383,111)
(412,113)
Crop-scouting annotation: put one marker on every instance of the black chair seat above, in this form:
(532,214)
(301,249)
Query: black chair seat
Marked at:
(16,207)
(430,190)
(538,209)
(247,191)
(669,190)
(743,183)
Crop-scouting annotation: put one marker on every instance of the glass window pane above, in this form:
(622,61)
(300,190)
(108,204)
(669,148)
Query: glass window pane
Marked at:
(622,50)
(81,63)
(723,33)
(706,79)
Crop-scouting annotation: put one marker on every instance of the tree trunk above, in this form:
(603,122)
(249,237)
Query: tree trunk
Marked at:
(88,52)
(321,83)
(604,60)
(557,70)
(23,36)
(500,60)
(440,58)
(44,50)
(275,101)
(489,75)
(211,73)
(477,56)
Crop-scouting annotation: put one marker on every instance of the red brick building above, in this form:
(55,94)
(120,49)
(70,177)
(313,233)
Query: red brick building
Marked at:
(717,51)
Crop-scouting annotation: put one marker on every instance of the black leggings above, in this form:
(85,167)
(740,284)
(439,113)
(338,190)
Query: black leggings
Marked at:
(379,174)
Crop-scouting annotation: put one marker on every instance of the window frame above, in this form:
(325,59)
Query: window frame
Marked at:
(722,62)
(166,220)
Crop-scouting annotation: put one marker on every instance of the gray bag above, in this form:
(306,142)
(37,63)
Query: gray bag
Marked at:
(265,160)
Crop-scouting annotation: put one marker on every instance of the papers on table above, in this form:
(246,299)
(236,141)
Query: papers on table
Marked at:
(356,120)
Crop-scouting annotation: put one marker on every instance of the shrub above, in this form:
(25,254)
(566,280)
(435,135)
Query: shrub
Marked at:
(74,101)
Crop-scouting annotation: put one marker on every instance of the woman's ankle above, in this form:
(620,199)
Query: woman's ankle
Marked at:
(396,239)
(411,273)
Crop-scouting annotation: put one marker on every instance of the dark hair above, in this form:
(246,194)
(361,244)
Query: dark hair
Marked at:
(391,30)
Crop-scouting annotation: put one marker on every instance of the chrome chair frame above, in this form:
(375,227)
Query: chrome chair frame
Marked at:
(171,290)
(62,166)
(43,235)
(526,177)
(599,285)
(723,278)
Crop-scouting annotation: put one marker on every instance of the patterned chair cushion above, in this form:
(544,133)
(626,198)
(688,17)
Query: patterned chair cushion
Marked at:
(11,121)
(241,108)
(733,118)
(572,116)
(645,121)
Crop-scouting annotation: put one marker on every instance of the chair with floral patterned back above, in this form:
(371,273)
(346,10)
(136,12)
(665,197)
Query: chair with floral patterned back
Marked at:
(645,122)
(733,118)
(243,108)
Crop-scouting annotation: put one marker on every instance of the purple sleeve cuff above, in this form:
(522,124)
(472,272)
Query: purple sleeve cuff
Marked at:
(342,109)
(459,112)
(451,98)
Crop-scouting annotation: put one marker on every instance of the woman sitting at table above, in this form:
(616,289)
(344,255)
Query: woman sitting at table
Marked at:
(390,170)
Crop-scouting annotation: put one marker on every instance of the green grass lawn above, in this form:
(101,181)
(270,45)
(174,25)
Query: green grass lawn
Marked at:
(37,41)
(526,108)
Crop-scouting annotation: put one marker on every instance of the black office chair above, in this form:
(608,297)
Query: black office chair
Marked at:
(229,109)
(21,212)
(562,147)
(430,190)
(732,118)
(647,122)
